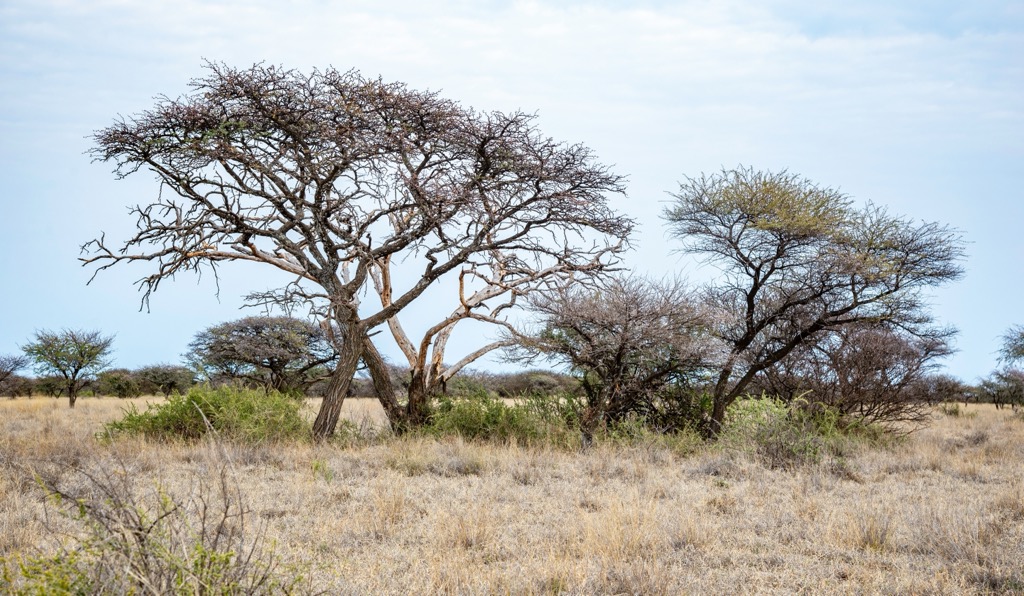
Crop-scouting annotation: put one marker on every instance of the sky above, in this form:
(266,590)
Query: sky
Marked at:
(917,105)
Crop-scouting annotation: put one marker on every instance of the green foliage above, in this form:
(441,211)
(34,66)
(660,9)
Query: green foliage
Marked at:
(164,379)
(784,435)
(73,355)
(486,418)
(119,383)
(636,431)
(237,414)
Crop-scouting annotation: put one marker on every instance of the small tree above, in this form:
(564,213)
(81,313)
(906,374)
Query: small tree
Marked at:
(165,379)
(118,382)
(798,260)
(72,355)
(626,340)
(279,353)
(10,364)
(1002,388)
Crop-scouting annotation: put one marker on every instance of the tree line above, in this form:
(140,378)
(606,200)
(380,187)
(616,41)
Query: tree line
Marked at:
(369,193)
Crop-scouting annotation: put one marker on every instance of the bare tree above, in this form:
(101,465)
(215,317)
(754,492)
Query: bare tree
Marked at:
(1012,350)
(73,356)
(626,340)
(10,364)
(332,177)
(276,353)
(797,260)
(867,373)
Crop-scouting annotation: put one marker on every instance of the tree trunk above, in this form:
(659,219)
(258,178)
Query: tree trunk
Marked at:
(330,410)
(718,408)
(418,408)
(71,400)
(381,376)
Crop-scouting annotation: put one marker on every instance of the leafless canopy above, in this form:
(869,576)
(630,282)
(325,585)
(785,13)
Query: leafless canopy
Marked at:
(797,259)
(332,177)
(1012,350)
(625,340)
(10,364)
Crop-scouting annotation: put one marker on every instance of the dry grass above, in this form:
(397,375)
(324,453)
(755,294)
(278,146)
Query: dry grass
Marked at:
(941,512)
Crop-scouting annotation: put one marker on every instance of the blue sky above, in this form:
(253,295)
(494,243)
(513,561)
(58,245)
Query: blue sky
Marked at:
(917,105)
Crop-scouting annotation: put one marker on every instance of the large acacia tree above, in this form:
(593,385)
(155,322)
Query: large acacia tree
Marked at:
(279,353)
(797,260)
(332,177)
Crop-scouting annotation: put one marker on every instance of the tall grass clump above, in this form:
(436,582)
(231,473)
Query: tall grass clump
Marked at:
(233,413)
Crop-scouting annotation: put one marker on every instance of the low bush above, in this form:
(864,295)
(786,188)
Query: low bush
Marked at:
(781,434)
(245,415)
(486,418)
(127,541)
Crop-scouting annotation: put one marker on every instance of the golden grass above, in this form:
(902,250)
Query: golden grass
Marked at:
(940,512)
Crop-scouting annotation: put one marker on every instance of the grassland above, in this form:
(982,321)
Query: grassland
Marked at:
(939,512)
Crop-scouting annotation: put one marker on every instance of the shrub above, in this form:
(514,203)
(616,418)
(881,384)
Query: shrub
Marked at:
(246,415)
(780,434)
(129,542)
(486,418)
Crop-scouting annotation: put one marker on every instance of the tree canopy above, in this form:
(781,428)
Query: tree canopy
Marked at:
(626,339)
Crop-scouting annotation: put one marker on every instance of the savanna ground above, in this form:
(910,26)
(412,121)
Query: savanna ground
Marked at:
(941,511)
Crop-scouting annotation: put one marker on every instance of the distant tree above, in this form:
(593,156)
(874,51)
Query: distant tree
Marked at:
(626,340)
(73,355)
(17,386)
(797,260)
(10,364)
(278,353)
(349,185)
(1003,388)
(1012,350)
(51,386)
(118,382)
(165,379)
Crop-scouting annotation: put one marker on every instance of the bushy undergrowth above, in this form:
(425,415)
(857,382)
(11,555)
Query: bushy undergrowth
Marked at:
(126,541)
(543,420)
(784,434)
(237,414)
(483,417)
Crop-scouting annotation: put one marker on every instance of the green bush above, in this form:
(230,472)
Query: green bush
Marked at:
(245,415)
(486,418)
(781,434)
